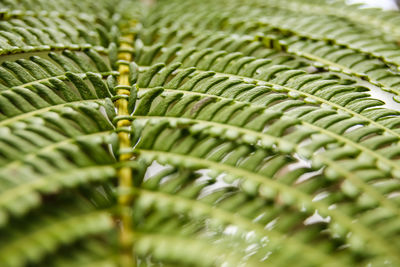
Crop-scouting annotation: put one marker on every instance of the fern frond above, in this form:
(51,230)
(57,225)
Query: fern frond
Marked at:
(300,54)
(246,167)
(52,228)
(385,21)
(267,93)
(353,61)
(198,133)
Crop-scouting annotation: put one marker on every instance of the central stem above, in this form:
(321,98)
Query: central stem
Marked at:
(125,179)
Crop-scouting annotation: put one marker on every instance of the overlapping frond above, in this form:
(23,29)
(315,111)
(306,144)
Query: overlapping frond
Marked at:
(330,42)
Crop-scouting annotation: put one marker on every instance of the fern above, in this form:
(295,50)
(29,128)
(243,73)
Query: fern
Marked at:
(198,133)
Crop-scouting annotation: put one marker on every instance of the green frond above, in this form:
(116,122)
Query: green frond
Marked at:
(199,133)
(323,50)
(53,226)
